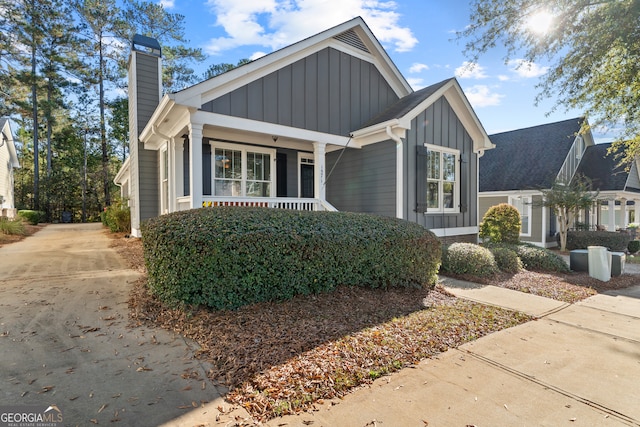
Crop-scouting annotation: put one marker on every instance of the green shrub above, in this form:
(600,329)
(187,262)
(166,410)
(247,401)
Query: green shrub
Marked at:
(501,224)
(227,257)
(33,217)
(11,226)
(540,259)
(633,246)
(507,259)
(117,217)
(614,241)
(470,259)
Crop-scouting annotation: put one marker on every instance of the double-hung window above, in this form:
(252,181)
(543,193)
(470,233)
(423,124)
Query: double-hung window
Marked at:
(242,171)
(523,204)
(443,179)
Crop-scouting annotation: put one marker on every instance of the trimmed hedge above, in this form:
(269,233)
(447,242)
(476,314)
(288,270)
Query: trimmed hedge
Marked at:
(633,246)
(507,259)
(227,257)
(468,258)
(613,240)
(33,217)
(534,257)
(501,223)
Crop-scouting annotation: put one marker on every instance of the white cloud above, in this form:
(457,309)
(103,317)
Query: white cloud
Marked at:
(470,70)
(526,69)
(168,4)
(278,23)
(416,83)
(417,67)
(503,78)
(482,96)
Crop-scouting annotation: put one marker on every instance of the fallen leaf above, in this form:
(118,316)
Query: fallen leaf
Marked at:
(102,407)
(46,389)
(143,368)
(93,420)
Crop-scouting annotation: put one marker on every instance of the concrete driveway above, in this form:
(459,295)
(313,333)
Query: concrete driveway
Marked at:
(65,338)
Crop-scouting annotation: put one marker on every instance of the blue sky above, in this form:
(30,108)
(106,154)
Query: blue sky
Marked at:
(419,36)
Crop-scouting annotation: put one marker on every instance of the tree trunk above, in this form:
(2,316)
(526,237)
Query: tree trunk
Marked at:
(103,134)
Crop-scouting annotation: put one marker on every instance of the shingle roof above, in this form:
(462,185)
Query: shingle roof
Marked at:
(602,169)
(527,159)
(404,105)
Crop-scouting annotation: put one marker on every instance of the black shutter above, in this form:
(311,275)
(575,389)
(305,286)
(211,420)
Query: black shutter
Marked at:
(464,182)
(206,169)
(186,187)
(421,179)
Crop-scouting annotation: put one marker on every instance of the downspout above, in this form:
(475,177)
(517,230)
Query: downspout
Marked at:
(399,172)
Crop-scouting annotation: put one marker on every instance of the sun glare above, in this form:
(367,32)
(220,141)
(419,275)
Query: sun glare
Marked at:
(540,22)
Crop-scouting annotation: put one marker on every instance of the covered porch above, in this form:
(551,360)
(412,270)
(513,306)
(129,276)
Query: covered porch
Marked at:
(207,159)
(615,211)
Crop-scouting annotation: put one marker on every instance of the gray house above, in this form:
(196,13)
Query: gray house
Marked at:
(8,163)
(526,161)
(328,123)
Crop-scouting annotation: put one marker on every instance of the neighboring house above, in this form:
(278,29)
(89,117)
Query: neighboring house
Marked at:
(616,187)
(526,161)
(328,123)
(8,162)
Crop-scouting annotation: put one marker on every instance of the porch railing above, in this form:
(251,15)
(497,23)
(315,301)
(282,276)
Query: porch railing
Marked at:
(293,203)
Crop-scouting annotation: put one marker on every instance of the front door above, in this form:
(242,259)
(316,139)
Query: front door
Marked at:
(306,181)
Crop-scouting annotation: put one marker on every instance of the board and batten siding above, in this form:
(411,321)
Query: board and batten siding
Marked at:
(6,177)
(147,98)
(364,180)
(328,91)
(438,125)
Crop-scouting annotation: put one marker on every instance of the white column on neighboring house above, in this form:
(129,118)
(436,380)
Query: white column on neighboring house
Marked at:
(319,187)
(625,217)
(636,210)
(179,169)
(195,164)
(612,215)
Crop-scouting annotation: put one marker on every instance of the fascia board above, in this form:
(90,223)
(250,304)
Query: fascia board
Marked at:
(249,125)
(458,101)
(161,112)
(124,170)
(510,193)
(201,93)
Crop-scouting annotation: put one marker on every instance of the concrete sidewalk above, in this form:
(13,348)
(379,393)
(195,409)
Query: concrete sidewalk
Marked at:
(576,365)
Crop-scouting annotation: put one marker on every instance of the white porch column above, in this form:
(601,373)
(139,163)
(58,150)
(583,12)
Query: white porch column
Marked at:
(636,210)
(195,164)
(179,168)
(625,216)
(319,188)
(612,215)
(171,182)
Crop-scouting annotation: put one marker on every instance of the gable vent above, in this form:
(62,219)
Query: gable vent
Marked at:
(351,38)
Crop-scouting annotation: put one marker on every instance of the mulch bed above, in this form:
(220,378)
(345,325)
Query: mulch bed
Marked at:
(29,229)
(285,357)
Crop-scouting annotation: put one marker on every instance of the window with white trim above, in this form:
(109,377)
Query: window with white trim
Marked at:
(242,171)
(523,204)
(443,179)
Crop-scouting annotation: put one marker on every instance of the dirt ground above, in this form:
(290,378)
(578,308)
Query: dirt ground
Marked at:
(66,339)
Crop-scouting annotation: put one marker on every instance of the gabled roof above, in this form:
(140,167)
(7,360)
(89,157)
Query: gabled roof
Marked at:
(404,105)
(7,136)
(603,169)
(353,36)
(527,159)
(402,112)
